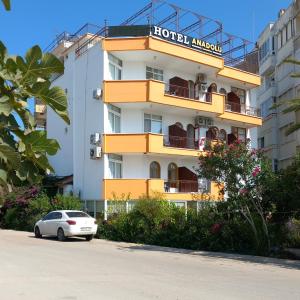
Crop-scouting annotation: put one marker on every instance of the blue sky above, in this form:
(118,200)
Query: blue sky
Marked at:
(37,22)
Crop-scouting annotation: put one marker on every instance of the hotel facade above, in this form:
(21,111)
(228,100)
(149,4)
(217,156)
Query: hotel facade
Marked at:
(143,101)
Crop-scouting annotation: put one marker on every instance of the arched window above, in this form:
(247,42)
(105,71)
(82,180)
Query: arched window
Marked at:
(213,88)
(223,91)
(190,136)
(172,172)
(154,170)
(212,133)
(179,125)
(223,135)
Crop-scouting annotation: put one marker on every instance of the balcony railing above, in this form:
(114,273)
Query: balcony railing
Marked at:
(180,142)
(242,109)
(189,93)
(186,186)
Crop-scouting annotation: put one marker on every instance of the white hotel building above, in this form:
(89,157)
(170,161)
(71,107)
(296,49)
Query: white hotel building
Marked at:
(141,109)
(278,41)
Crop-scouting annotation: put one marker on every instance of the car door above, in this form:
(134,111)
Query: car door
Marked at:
(54,223)
(45,223)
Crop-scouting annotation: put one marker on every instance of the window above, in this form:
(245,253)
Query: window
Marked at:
(264,49)
(57,215)
(266,107)
(223,135)
(240,93)
(289,30)
(279,40)
(154,170)
(152,73)
(114,117)
(172,172)
(240,133)
(284,35)
(115,67)
(152,123)
(50,216)
(179,204)
(77,214)
(115,165)
(261,142)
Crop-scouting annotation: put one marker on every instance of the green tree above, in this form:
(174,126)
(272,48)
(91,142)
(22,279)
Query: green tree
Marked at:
(6,4)
(24,150)
(245,177)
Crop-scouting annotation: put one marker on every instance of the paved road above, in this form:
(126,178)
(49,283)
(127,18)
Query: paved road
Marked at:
(48,269)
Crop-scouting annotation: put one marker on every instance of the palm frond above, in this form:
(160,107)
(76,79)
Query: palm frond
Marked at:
(296,75)
(292,61)
(292,128)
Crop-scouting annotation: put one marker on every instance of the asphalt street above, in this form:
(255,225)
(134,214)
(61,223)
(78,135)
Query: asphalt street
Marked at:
(47,269)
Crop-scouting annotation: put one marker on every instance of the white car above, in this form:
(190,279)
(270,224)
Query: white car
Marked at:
(66,223)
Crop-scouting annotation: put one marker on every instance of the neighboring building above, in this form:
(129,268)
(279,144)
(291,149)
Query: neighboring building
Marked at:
(278,41)
(141,109)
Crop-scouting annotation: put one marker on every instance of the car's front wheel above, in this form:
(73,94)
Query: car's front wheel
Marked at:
(37,233)
(89,237)
(61,235)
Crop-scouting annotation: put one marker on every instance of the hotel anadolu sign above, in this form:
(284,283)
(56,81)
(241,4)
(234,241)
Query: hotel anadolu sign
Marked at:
(187,41)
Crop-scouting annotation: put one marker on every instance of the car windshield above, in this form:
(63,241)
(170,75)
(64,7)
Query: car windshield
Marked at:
(77,214)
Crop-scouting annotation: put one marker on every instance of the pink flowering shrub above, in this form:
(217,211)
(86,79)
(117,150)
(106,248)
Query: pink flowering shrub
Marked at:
(246,177)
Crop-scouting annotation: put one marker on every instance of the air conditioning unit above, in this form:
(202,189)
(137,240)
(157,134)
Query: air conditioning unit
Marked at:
(97,93)
(200,121)
(209,122)
(95,152)
(203,121)
(201,78)
(95,139)
(203,87)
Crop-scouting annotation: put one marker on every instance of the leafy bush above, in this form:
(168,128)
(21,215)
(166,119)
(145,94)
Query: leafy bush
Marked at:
(159,222)
(25,206)
(61,202)
(293,233)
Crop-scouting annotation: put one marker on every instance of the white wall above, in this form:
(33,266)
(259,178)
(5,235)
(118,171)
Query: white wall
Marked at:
(138,166)
(88,116)
(62,162)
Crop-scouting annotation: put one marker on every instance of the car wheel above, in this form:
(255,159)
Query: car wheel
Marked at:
(61,235)
(89,237)
(37,233)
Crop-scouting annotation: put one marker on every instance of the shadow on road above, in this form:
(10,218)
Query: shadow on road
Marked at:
(282,263)
(54,239)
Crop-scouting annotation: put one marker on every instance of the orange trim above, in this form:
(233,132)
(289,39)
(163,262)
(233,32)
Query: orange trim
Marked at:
(134,188)
(142,143)
(136,91)
(133,91)
(169,48)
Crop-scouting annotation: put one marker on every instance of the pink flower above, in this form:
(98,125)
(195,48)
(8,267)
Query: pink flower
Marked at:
(215,228)
(243,191)
(256,171)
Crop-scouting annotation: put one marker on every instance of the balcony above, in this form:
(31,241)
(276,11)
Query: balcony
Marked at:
(156,46)
(137,91)
(180,190)
(242,109)
(242,113)
(267,65)
(152,91)
(149,143)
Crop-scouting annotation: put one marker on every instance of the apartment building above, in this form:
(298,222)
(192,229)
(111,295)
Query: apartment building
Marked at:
(278,41)
(143,101)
